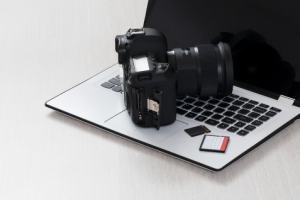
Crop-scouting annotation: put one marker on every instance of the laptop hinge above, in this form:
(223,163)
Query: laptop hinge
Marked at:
(286,100)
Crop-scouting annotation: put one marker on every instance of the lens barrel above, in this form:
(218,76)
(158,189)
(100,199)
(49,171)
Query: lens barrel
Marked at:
(204,70)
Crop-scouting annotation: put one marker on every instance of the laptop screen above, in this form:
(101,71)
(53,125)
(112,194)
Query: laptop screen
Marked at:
(264,36)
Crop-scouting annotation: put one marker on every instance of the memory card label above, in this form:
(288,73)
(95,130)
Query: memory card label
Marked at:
(214,143)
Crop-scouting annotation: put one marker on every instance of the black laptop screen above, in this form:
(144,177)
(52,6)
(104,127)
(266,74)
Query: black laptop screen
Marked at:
(264,36)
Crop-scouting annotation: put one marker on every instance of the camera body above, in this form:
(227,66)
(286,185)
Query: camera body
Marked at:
(149,83)
(153,77)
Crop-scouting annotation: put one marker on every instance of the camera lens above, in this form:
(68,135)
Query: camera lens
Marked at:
(204,70)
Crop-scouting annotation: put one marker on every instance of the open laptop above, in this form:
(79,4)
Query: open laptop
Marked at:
(260,106)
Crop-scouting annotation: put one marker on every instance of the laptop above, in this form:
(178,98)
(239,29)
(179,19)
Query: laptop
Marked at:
(266,95)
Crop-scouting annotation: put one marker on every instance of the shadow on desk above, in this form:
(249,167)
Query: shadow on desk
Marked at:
(232,172)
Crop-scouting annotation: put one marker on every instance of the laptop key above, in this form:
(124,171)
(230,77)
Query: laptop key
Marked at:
(204,98)
(179,103)
(243,111)
(180,111)
(199,104)
(233,108)
(264,118)
(207,113)
(228,120)
(234,96)
(253,102)
(243,99)
(212,122)
(232,129)
(239,124)
(243,118)
(248,106)
(228,113)
(107,85)
(223,105)
(222,126)
(271,114)
(217,116)
(213,101)
(180,97)
(228,99)
(115,81)
(191,115)
(242,133)
(200,118)
(275,109)
(238,103)
(219,97)
(189,100)
(264,105)
(254,115)
(219,110)
(257,123)
(117,89)
(209,107)
(197,110)
(259,110)
(187,106)
(250,128)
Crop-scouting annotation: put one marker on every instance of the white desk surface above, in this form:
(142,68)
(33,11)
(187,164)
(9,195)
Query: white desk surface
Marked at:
(48,46)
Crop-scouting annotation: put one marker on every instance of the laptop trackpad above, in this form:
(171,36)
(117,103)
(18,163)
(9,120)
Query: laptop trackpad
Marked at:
(123,121)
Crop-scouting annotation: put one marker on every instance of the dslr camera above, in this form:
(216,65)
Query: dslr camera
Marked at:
(153,76)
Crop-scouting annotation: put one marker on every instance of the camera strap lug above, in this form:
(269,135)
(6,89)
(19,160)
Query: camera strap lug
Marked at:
(154,107)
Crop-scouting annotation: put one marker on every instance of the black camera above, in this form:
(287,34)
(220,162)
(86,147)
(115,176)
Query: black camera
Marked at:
(153,77)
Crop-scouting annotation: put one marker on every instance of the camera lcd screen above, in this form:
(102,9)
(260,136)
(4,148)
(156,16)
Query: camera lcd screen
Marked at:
(140,63)
(264,36)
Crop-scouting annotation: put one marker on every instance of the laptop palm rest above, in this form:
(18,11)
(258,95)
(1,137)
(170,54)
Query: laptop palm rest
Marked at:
(123,122)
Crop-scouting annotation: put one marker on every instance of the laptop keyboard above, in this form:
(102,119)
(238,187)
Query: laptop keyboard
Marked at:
(113,84)
(231,113)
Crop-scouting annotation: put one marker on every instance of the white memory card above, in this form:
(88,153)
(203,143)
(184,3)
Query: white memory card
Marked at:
(214,143)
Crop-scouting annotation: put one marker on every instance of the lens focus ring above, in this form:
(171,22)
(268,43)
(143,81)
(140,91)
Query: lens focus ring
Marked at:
(209,70)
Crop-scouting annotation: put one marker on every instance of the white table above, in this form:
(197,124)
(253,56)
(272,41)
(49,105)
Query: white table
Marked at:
(46,47)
